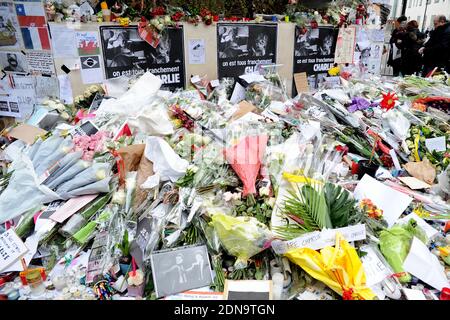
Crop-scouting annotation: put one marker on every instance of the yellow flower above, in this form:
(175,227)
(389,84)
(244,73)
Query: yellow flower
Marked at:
(334,71)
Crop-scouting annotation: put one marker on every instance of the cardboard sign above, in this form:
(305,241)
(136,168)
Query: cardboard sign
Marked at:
(11,248)
(414,183)
(244,107)
(301,82)
(26,133)
(248,290)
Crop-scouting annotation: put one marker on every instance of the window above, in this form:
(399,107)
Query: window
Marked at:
(409,3)
(436,1)
(428,1)
(420,3)
(418,20)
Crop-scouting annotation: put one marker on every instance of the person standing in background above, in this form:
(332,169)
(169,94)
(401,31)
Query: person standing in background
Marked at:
(395,54)
(411,41)
(436,51)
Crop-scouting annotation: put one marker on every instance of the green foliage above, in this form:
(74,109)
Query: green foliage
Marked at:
(124,246)
(341,206)
(313,208)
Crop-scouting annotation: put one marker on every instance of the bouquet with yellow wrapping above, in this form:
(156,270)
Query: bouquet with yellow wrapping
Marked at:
(242,237)
(338,267)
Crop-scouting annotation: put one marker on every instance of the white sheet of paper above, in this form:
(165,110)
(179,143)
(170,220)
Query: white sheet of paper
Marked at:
(64,41)
(215,83)
(46,87)
(429,230)
(12,248)
(252,77)
(116,87)
(424,265)
(437,144)
(238,94)
(395,159)
(65,89)
(25,92)
(31,243)
(414,183)
(374,268)
(391,201)
(412,294)
(197,51)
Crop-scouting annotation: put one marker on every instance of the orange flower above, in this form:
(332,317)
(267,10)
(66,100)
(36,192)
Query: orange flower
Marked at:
(388,101)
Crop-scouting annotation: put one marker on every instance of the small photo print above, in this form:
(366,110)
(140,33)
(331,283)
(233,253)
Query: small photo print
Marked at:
(180,269)
(13,62)
(4,106)
(14,107)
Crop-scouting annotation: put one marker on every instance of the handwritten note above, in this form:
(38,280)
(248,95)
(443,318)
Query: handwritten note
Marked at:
(320,239)
(301,82)
(11,248)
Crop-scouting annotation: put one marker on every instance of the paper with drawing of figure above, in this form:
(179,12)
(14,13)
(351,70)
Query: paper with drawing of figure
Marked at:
(181,269)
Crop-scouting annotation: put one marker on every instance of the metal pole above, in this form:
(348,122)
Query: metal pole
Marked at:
(425,15)
(404,6)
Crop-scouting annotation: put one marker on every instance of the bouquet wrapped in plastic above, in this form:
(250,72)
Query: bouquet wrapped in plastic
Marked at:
(339,267)
(245,158)
(395,243)
(242,237)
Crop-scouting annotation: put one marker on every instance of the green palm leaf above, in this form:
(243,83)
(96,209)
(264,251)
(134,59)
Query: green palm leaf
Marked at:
(308,209)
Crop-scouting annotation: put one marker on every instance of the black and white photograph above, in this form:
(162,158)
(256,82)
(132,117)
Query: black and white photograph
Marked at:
(13,62)
(242,47)
(314,53)
(181,269)
(126,53)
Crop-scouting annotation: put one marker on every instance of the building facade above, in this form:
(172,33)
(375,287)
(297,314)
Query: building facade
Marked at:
(424,11)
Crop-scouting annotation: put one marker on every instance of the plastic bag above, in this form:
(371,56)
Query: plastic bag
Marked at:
(47,149)
(242,237)
(396,242)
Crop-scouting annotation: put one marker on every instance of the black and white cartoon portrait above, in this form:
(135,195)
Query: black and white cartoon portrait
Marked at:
(233,41)
(326,46)
(240,47)
(125,53)
(180,270)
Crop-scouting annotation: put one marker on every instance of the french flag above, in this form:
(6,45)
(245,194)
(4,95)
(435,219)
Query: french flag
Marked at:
(33,26)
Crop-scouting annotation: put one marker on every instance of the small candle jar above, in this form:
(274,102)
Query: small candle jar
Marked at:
(34,280)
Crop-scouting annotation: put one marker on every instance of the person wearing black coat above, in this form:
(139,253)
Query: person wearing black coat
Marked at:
(436,51)
(395,59)
(411,41)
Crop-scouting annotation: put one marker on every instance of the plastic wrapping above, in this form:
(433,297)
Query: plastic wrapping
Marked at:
(242,237)
(68,172)
(339,267)
(100,186)
(61,151)
(96,172)
(396,242)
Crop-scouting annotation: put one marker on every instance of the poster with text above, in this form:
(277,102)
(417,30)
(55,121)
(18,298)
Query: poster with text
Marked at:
(241,47)
(314,53)
(125,53)
(9,27)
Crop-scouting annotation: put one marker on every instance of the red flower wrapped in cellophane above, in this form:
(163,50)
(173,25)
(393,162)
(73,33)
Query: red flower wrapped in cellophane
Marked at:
(245,159)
